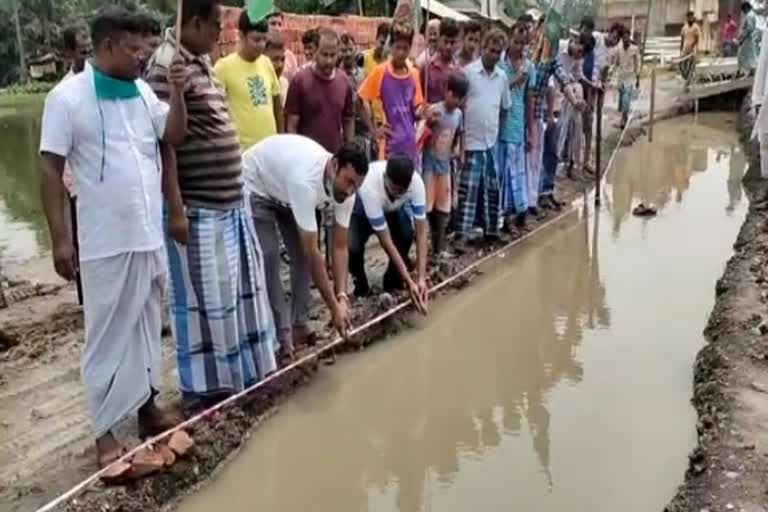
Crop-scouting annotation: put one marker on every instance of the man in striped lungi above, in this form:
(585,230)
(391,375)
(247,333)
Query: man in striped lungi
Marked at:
(512,148)
(479,181)
(220,314)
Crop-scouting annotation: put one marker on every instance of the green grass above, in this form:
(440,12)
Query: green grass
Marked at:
(26,89)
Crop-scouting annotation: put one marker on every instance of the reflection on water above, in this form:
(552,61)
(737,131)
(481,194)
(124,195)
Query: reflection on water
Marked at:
(559,381)
(23,233)
(669,163)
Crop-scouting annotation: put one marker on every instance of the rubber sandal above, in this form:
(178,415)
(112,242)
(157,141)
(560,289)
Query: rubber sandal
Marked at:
(117,472)
(181,442)
(146,462)
(168,455)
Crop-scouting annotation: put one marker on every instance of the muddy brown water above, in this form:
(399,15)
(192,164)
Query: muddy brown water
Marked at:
(560,380)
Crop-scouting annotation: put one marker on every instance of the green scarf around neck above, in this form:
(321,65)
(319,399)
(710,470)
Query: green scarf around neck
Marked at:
(108,88)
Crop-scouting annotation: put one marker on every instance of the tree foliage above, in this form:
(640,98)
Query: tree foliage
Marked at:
(43,21)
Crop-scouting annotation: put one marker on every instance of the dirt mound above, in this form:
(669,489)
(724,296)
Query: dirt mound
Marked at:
(727,469)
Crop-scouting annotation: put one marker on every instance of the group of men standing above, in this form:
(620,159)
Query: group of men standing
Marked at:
(199,175)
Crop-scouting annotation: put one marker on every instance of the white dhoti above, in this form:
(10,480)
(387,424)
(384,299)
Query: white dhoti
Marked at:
(122,304)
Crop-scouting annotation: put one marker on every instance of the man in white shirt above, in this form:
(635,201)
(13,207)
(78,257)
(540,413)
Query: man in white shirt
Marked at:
(288,177)
(380,207)
(107,124)
(479,180)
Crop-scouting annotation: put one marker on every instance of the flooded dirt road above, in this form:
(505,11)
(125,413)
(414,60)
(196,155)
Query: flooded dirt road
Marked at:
(561,380)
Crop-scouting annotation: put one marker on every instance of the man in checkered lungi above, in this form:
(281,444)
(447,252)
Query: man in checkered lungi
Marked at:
(479,181)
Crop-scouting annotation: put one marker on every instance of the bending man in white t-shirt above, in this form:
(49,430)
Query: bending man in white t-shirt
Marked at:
(288,177)
(381,208)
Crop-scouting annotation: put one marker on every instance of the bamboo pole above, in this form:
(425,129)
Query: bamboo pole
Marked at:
(645,33)
(179,10)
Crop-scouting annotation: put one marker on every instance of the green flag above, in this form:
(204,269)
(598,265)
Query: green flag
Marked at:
(259,9)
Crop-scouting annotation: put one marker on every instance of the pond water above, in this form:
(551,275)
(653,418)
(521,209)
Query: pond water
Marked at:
(560,380)
(23,231)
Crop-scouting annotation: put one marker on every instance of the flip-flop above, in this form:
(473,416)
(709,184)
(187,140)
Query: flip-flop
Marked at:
(118,472)
(168,455)
(180,442)
(146,462)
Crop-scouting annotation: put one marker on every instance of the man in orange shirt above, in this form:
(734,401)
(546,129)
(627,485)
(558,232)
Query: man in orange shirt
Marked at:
(396,84)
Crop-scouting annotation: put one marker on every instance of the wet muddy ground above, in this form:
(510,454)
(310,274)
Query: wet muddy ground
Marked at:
(727,469)
(45,445)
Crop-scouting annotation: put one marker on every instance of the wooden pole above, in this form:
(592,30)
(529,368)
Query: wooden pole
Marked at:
(645,33)
(599,142)
(653,102)
(73,220)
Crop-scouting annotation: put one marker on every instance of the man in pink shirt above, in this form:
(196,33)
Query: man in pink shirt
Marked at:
(434,74)
(320,102)
(730,31)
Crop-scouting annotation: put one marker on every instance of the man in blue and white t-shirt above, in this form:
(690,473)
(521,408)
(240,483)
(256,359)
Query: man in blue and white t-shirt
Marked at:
(380,207)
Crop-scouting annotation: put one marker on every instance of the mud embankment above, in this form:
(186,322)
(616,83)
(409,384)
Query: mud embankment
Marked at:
(728,468)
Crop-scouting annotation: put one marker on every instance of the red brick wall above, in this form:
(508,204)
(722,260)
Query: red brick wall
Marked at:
(363,29)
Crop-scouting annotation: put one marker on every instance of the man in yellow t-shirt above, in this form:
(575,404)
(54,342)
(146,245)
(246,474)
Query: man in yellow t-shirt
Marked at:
(251,85)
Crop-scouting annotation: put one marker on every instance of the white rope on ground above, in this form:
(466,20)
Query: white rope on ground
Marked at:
(74,491)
